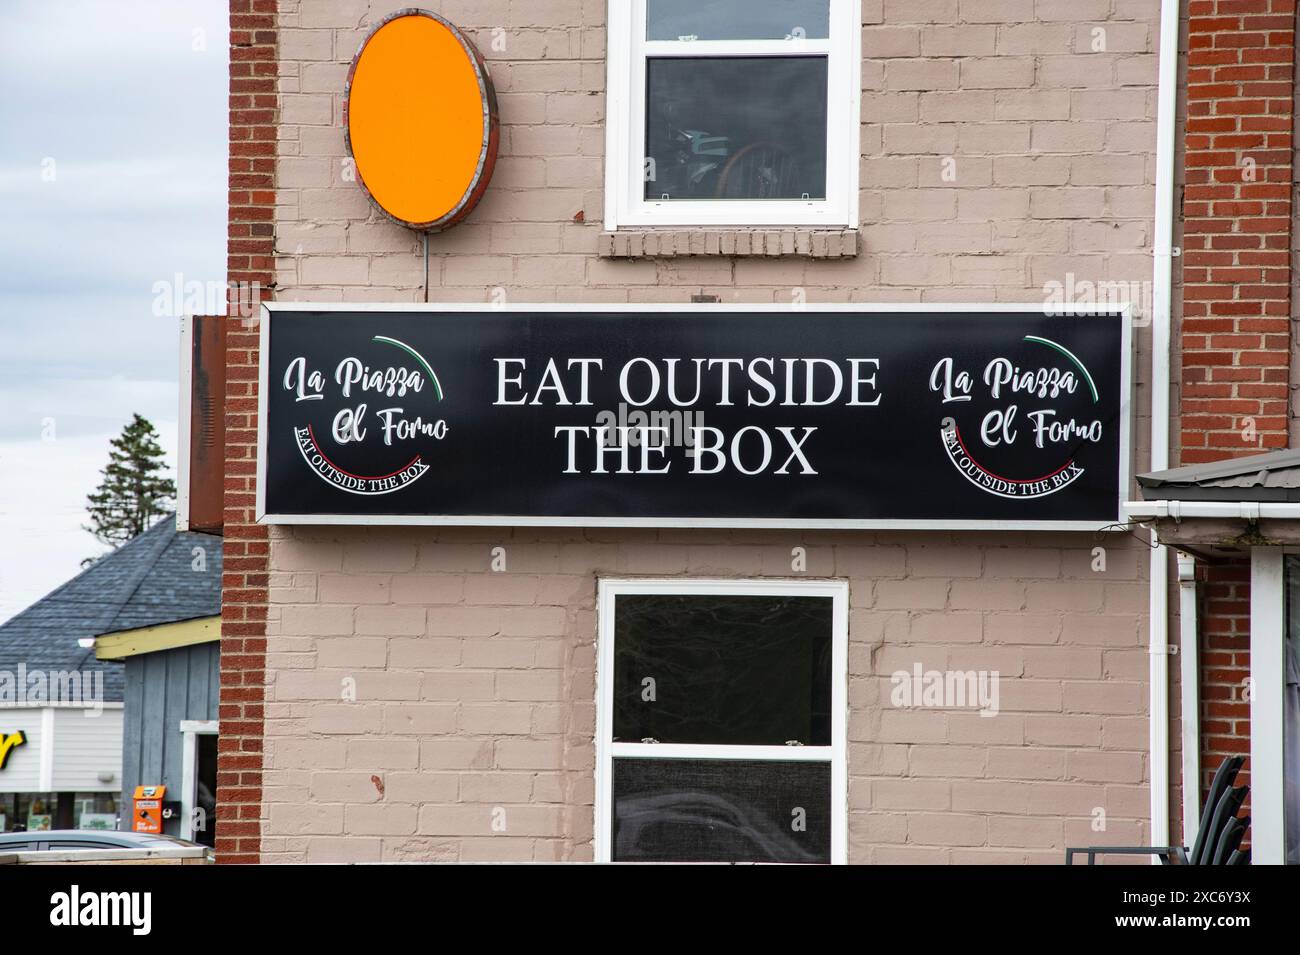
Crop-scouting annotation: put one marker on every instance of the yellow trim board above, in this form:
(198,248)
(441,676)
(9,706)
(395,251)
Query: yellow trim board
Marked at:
(166,636)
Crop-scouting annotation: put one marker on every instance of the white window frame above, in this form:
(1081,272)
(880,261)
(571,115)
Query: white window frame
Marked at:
(191,730)
(836,754)
(627,49)
(1267,647)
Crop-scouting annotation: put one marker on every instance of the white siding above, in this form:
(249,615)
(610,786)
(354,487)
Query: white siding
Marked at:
(86,745)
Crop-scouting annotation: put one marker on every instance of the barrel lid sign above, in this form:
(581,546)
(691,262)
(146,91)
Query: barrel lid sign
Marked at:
(719,416)
(420,120)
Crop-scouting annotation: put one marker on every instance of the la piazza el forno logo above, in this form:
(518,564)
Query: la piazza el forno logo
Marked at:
(389,413)
(1014,427)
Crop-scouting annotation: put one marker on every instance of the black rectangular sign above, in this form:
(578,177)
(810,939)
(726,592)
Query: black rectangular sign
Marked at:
(845,416)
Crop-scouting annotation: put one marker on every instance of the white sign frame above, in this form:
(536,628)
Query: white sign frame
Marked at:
(1124,310)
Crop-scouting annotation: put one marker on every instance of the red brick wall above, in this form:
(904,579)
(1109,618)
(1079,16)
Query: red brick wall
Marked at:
(1225,667)
(1237,298)
(249,265)
(1237,225)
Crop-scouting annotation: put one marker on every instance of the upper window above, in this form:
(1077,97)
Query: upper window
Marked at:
(733,112)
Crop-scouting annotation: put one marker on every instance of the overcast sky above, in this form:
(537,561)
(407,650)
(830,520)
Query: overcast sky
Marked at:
(112,179)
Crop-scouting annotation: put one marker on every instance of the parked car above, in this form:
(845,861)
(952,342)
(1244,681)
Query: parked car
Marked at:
(69,839)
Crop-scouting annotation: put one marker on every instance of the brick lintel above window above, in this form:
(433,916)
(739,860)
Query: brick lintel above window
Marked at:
(672,243)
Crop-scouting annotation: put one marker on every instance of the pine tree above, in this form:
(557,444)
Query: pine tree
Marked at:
(133,492)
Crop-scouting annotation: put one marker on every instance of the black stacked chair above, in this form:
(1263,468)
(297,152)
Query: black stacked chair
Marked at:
(1218,842)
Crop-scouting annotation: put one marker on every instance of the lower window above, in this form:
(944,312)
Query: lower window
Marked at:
(721,722)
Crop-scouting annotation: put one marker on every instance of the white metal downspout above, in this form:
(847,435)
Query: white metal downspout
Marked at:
(1161,320)
(1158,735)
(1189,681)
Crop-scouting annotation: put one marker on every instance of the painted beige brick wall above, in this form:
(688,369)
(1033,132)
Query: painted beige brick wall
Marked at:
(471,690)
(474,690)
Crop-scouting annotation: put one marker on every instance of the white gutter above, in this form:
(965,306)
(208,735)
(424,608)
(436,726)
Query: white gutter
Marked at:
(1189,673)
(1228,510)
(1161,320)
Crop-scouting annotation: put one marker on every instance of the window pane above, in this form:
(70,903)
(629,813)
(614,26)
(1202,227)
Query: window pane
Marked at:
(712,810)
(735,670)
(736,127)
(737,19)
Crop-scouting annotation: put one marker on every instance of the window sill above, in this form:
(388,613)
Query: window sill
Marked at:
(675,243)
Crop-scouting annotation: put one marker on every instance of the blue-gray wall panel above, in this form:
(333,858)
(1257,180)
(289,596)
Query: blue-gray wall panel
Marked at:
(162,689)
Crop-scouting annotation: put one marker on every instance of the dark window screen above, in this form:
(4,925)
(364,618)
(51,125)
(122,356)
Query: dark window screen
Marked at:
(723,670)
(736,127)
(205,790)
(1291,713)
(709,810)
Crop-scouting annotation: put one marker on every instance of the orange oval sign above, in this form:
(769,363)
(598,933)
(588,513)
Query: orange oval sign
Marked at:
(421,120)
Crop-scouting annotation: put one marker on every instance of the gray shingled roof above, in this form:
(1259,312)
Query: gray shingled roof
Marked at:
(1274,476)
(149,580)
